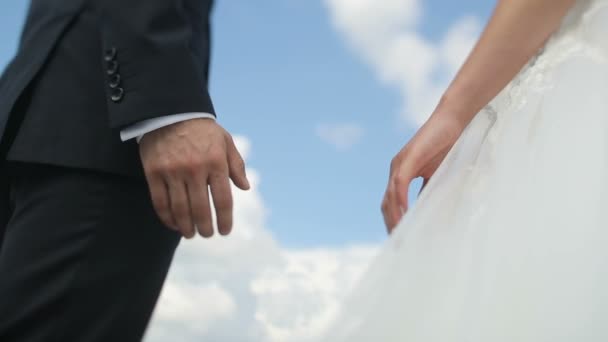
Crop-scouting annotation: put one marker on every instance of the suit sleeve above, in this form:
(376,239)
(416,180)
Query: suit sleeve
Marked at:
(149,62)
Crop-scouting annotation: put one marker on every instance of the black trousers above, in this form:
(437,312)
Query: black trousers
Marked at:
(83,255)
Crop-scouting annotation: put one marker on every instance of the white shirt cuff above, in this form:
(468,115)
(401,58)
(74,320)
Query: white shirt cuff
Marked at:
(138,129)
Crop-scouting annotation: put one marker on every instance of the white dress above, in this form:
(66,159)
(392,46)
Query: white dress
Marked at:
(509,241)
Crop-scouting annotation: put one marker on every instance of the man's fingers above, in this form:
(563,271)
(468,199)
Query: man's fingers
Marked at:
(222,200)
(200,207)
(180,206)
(236,166)
(160,200)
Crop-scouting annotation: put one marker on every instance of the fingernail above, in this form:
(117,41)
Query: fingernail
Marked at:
(245,182)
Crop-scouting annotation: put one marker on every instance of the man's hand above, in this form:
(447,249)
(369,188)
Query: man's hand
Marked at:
(182,161)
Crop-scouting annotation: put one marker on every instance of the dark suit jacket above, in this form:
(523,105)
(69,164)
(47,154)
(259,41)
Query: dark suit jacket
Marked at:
(87,68)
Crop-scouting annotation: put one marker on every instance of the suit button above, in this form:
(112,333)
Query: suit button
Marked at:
(114,81)
(117,94)
(110,54)
(112,67)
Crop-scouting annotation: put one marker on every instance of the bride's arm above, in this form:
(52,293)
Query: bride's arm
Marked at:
(516,31)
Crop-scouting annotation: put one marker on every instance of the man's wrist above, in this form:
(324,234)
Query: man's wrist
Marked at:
(138,130)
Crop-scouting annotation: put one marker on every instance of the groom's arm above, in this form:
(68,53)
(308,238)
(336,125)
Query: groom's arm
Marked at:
(138,130)
(152,72)
(150,68)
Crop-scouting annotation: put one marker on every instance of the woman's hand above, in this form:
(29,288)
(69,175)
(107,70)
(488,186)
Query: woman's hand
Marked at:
(516,31)
(418,158)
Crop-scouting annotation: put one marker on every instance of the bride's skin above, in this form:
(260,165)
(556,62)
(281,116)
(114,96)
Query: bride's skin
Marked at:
(516,31)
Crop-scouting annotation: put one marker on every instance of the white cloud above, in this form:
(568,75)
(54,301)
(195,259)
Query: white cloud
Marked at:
(385,33)
(207,303)
(298,300)
(248,288)
(367,22)
(458,41)
(341,136)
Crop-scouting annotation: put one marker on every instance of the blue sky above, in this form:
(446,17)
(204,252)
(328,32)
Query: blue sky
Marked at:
(279,69)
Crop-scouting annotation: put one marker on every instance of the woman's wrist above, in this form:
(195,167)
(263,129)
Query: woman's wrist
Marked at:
(455,108)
